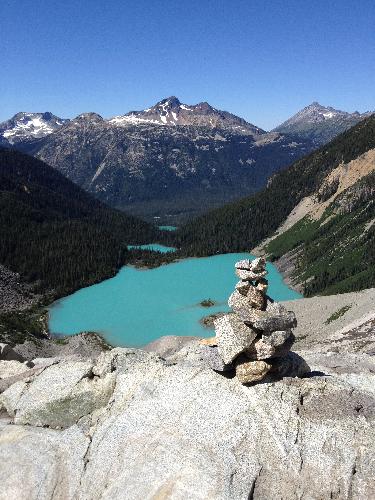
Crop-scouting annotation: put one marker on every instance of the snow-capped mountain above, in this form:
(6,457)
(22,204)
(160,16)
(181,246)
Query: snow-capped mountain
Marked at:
(172,157)
(24,126)
(151,168)
(171,111)
(320,123)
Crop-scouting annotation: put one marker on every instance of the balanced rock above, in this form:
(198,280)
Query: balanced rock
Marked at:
(211,356)
(243,264)
(267,347)
(252,371)
(250,275)
(243,287)
(232,336)
(256,298)
(257,335)
(258,264)
(265,321)
(238,301)
(279,337)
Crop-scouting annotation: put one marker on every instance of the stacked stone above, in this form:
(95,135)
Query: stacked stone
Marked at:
(255,339)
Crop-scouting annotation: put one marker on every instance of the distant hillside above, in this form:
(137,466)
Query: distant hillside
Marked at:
(53,233)
(325,202)
(320,124)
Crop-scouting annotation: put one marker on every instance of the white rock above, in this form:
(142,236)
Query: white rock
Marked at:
(11,368)
(41,463)
(59,396)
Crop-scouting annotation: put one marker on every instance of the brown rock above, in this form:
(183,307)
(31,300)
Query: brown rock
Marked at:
(243,287)
(212,341)
(258,265)
(256,298)
(252,371)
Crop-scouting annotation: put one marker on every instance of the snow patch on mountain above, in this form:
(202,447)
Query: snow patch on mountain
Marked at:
(23,126)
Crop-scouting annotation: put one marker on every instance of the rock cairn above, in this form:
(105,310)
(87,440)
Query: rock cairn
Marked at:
(255,339)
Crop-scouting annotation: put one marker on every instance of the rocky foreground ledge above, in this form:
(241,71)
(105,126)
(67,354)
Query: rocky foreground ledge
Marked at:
(139,425)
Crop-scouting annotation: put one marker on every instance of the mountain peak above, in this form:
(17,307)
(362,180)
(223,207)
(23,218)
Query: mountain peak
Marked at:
(171,111)
(90,116)
(23,126)
(172,102)
(319,123)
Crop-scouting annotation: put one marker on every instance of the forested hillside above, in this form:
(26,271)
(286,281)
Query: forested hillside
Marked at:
(334,253)
(242,225)
(56,235)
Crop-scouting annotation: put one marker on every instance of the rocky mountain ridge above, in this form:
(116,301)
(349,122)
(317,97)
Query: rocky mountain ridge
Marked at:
(170,159)
(340,210)
(171,111)
(320,123)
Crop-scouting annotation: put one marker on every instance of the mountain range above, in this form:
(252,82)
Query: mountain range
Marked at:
(171,161)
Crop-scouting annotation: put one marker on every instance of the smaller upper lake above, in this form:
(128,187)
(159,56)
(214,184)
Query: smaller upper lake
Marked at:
(168,228)
(153,246)
(138,306)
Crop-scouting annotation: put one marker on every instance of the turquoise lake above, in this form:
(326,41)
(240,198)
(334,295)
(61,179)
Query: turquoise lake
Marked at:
(168,228)
(138,306)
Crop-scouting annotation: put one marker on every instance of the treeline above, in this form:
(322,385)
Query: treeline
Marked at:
(242,225)
(56,235)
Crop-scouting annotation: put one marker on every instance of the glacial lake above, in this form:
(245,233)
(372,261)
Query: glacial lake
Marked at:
(168,228)
(138,306)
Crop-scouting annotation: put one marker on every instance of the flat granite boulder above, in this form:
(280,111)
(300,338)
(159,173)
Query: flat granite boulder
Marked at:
(182,431)
(12,368)
(232,336)
(59,396)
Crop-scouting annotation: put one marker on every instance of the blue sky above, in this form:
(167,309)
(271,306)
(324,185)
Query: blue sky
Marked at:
(262,60)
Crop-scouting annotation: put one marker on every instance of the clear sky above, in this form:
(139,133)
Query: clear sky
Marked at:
(262,60)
